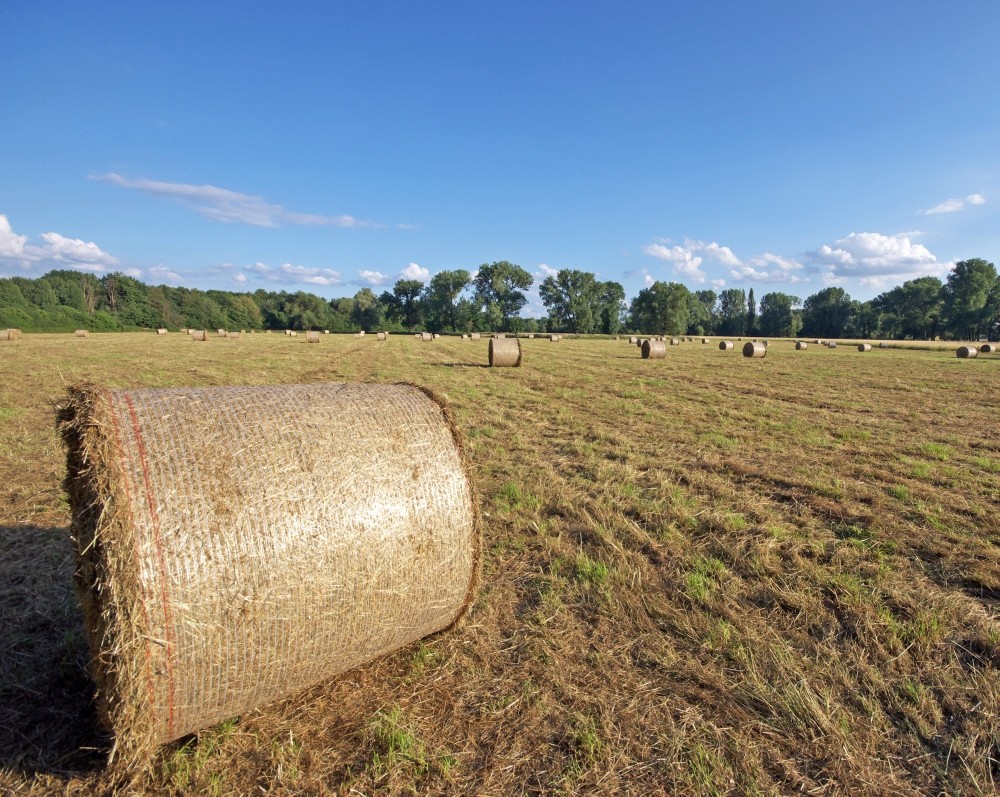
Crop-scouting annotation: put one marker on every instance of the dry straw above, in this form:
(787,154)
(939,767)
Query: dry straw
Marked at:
(531,336)
(754,349)
(7,334)
(312,337)
(864,347)
(832,344)
(81,333)
(198,334)
(161,331)
(800,345)
(725,345)
(633,340)
(675,341)
(233,334)
(967,352)
(426,336)
(654,350)
(221,333)
(381,335)
(555,338)
(290,546)
(987,348)
(293,334)
(476,335)
(436,335)
(505,353)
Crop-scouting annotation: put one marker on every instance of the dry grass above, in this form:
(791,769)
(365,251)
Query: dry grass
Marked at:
(703,575)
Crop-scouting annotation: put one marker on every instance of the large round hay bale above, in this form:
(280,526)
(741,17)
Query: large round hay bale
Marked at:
(817,341)
(633,340)
(318,527)
(967,352)
(754,349)
(675,341)
(883,345)
(705,340)
(7,334)
(531,336)
(505,353)
(725,345)
(312,337)
(476,335)
(381,335)
(198,334)
(555,338)
(800,345)
(465,336)
(832,344)
(161,331)
(81,333)
(426,336)
(221,333)
(292,333)
(864,347)
(437,335)
(233,334)
(987,348)
(361,334)
(654,350)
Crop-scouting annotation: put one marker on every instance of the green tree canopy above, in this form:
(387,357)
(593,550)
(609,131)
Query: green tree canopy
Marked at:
(499,292)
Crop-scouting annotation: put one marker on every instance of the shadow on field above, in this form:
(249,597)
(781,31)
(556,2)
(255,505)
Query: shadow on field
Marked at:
(459,365)
(48,721)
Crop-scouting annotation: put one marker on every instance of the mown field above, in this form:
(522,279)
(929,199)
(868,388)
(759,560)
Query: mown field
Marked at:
(703,575)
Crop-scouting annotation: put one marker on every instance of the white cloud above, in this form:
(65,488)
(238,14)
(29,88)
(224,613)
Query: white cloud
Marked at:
(546,270)
(768,267)
(53,250)
(864,254)
(164,275)
(299,275)
(647,278)
(954,205)
(239,277)
(135,273)
(221,204)
(719,283)
(373,277)
(685,262)
(415,272)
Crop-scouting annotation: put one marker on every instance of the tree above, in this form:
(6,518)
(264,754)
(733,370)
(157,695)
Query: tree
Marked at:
(751,313)
(440,296)
(732,312)
(403,303)
(499,293)
(661,309)
(573,300)
(367,312)
(701,309)
(776,316)
(911,310)
(966,295)
(827,313)
(611,302)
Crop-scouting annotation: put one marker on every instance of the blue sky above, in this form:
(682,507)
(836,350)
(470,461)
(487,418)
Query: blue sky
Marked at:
(331,146)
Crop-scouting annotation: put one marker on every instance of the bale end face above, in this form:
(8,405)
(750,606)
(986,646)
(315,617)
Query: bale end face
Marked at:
(505,353)
(754,349)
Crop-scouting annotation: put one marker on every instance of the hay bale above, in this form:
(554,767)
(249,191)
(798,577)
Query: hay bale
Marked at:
(361,334)
(233,334)
(198,334)
(81,333)
(221,586)
(293,334)
(654,350)
(883,345)
(705,340)
(832,344)
(633,340)
(640,341)
(436,336)
(221,333)
(864,347)
(326,331)
(800,345)
(505,353)
(675,341)
(754,349)
(8,334)
(465,336)
(312,337)
(426,336)
(555,338)
(967,352)
(475,336)
(161,331)
(184,330)
(987,348)
(381,335)
(498,335)
(726,345)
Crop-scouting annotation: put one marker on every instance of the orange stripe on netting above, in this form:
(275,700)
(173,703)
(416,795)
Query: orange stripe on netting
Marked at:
(157,537)
(135,544)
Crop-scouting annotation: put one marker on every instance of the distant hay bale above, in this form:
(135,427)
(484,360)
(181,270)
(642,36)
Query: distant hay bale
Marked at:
(883,345)
(675,341)
(476,335)
(987,348)
(818,342)
(221,333)
(436,336)
(967,352)
(654,350)
(766,342)
(505,353)
(380,335)
(705,340)
(81,333)
(293,334)
(832,344)
(426,336)
(212,589)
(633,340)
(234,334)
(531,336)
(198,334)
(326,331)
(864,347)
(288,332)
(361,334)
(726,345)
(498,335)
(465,336)
(184,330)
(555,338)
(7,334)
(640,341)
(754,349)
(312,337)
(800,345)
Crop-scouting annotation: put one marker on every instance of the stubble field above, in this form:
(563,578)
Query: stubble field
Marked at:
(702,575)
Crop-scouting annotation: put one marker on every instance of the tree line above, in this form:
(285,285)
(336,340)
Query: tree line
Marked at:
(966,305)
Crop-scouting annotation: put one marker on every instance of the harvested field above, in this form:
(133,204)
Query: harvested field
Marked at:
(702,575)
